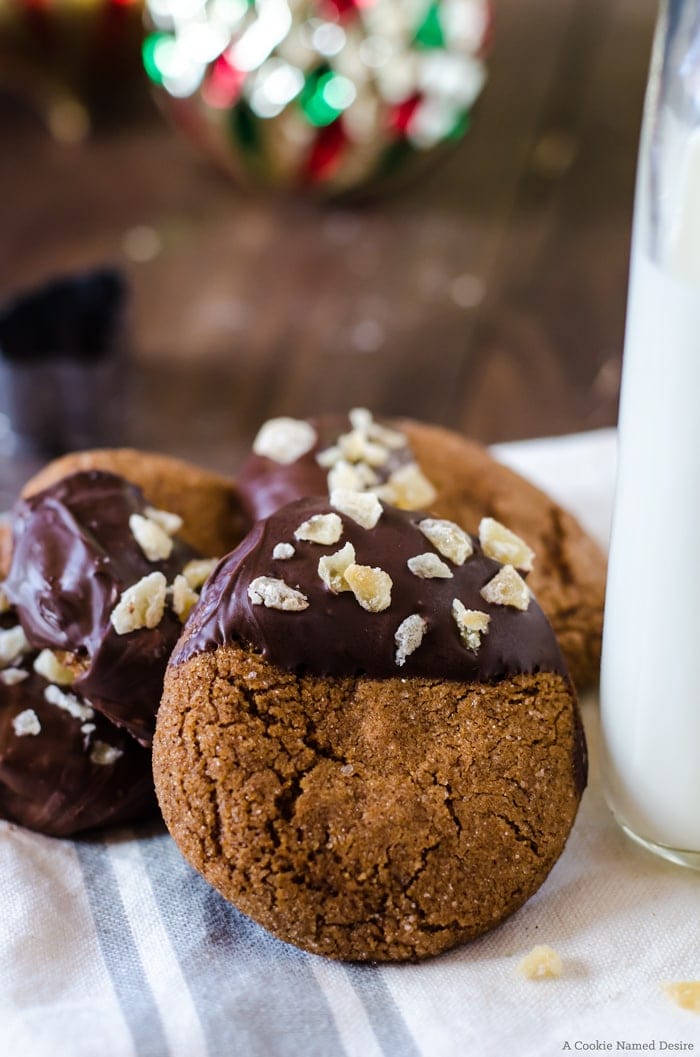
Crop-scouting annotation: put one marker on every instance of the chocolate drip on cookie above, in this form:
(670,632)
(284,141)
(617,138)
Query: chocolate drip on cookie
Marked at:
(76,552)
(351,587)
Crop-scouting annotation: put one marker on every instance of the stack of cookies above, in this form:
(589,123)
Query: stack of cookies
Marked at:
(99,580)
(368,739)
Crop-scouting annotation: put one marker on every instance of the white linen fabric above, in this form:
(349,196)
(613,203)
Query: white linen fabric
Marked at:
(115,947)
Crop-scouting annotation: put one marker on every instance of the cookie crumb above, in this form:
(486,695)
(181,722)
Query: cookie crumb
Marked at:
(48,665)
(409,636)
(104,754)
(276,594)
(13,646)
(355,478)
(471,623)
(390,438)
(331,568)
(153,540)
(504,546)
(321,528)
(13,676)
(344,475)
(282,552)
(357,447)
(184,598)
(141,606)
(542,963)
(684,993)
(408,488)
(327,458)
(347,769)
(363,507)
(170,523)
(429,567)
(198,571)
(26,722)
(284,440)
(507,588)
(352,460)
(448,538)
(361,419)
(370,586)
(68,702)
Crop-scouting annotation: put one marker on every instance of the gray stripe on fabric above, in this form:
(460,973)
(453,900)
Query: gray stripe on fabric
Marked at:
(255,995)
(119,951)
(388,1025)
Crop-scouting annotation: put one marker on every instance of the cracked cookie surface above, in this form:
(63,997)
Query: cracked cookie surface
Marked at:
(367,819)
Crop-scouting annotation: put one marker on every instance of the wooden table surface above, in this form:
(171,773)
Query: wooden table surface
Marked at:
(489,298)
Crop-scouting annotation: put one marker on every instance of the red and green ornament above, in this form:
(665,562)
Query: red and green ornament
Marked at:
(320,94)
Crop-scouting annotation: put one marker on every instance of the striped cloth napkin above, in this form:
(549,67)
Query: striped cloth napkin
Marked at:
(115,947)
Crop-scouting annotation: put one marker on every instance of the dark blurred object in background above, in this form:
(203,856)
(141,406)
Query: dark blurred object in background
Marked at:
(76,63)
(64,363)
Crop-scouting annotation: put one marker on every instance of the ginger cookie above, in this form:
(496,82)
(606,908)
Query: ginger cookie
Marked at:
(95,594)
(422,467)
(368,740)
(104,578)
(94,588)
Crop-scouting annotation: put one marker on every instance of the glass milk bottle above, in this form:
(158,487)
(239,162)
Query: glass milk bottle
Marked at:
(650,681)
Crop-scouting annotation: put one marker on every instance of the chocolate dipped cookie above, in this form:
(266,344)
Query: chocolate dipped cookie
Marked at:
(97,587)
(102,578)
(416,466)
(368,740)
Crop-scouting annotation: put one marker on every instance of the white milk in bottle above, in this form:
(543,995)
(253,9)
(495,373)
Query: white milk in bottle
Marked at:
(650,682)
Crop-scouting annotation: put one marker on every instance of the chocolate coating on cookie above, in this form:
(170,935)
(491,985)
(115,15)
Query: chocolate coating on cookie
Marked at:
(74,554)
(64,770)
(334,635)
(569,575)
(266,484)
